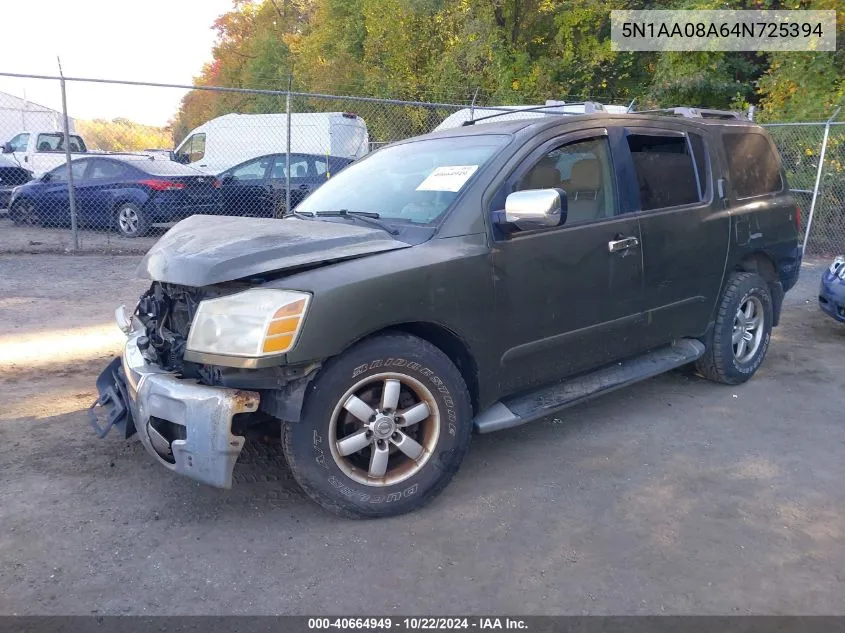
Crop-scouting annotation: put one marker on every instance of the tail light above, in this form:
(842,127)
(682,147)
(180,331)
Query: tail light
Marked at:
(217,183)
(162,185)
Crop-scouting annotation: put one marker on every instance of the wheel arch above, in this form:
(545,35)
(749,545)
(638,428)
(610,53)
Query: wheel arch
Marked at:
(762,263)
(448,342)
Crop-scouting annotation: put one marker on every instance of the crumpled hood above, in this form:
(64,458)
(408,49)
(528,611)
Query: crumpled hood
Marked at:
(207,249)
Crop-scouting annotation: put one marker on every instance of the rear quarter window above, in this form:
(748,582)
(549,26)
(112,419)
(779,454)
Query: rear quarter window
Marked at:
(753,165)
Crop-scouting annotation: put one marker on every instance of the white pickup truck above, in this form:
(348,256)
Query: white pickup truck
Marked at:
(39,152)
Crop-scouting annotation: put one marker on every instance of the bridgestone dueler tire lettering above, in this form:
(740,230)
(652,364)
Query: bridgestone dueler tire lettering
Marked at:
(718,362)
(306,443)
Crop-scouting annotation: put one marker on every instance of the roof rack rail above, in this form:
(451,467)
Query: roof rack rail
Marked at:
(695,113)
(590,107)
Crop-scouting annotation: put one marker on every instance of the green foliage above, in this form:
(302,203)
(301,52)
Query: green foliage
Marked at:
(123,135)
(510,51)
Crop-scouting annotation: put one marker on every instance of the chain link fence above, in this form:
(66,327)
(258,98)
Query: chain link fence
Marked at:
(813,156)
(128,182)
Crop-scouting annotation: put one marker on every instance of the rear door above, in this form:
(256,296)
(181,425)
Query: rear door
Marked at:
(55,203)
(685,231)
(568,297)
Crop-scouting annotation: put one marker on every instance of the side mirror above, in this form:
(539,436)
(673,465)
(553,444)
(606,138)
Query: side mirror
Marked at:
(7,148)
(536,208)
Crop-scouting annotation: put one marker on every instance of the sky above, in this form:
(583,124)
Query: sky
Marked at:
(164,41)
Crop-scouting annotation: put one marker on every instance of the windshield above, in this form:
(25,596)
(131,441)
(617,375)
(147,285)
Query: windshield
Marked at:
(415,182)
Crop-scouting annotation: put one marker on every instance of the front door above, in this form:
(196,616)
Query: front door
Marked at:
(55,202)
(568,297)
(246,189)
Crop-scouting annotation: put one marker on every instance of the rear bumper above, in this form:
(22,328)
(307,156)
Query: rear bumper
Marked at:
(168,211)
(205,449)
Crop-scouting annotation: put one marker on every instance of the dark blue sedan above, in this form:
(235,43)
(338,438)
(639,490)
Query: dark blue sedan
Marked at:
(126,193)
(832,290)
(257,187)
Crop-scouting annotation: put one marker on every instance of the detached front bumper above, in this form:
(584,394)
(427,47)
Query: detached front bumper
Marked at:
(186,426)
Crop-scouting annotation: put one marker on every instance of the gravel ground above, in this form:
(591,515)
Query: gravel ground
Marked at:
(35,239)
(672,496)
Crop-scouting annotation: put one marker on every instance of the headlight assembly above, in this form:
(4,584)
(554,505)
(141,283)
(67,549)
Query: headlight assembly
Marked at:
(253,323)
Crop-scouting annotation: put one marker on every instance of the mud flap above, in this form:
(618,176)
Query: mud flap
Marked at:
(114,401)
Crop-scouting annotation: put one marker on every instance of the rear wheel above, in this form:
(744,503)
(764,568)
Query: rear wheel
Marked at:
(24,212)
(740,337)
(130,220)
(384,428)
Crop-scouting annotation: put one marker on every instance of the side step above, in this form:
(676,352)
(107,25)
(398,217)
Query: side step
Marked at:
(516,410)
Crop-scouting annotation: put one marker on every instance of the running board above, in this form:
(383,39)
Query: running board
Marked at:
(516,410)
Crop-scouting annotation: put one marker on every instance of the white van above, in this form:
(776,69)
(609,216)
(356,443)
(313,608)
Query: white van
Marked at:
(550,108)
(231,139)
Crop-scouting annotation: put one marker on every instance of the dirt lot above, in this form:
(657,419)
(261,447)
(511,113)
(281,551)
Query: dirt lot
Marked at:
(34,239)
(672,496)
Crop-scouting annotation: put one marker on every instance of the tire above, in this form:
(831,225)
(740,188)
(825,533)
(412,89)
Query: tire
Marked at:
(725,360)
(130,220)
(351,485)
(24,212)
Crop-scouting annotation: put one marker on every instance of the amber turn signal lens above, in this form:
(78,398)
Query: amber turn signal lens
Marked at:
(277,343)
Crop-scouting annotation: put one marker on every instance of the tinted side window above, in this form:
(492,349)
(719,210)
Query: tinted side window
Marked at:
(48,142)
(59,174)
(752,163)
(665,170)
(584,170)
(298,167)
(103,169)
(253,170)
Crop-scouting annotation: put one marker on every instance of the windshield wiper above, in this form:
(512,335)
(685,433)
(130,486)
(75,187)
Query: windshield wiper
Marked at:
(369,217)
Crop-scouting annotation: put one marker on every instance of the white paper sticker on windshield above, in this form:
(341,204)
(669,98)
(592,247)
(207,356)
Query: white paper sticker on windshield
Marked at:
(447,178)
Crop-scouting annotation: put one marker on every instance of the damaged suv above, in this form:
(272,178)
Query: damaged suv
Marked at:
(474,278)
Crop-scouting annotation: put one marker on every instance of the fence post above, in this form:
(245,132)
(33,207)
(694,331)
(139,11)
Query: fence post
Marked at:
(287,151)
(70,192)
(818,179)
(472,105)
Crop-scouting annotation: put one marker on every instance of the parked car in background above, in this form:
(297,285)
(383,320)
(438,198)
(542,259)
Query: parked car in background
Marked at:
(11,176)
(231,139)
(257,187)
(832,290)
(39,152)
(128,194)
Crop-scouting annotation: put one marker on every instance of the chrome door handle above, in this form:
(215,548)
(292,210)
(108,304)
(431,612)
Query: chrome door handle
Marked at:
(614,246)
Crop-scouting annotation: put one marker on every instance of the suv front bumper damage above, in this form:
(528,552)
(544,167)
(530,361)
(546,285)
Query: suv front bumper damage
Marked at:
(137,396)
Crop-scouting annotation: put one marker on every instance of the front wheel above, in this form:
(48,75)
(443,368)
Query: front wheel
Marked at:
(384,428)
(740,338)
(24,212)
(131,220)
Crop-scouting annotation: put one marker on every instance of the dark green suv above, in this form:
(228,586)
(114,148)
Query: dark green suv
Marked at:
(480,277)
